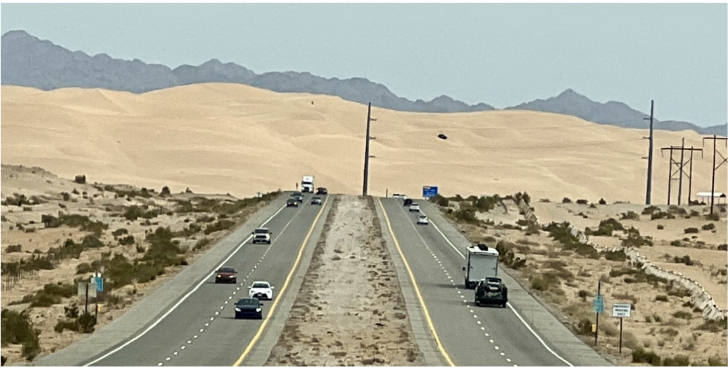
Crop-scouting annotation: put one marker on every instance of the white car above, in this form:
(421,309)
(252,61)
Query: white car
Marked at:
(422,220)
(414,207)
(261,290)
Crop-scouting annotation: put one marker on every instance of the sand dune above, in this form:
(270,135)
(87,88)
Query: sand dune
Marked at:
(229,138)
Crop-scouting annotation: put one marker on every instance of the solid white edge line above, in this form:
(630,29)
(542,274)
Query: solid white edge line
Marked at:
(509,304)
(204,280)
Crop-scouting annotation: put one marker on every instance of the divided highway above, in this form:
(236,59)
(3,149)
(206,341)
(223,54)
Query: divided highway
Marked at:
(200,330)
(469,335)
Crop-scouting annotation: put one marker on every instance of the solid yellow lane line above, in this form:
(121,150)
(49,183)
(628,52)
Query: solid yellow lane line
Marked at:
(417,289)
(283,289)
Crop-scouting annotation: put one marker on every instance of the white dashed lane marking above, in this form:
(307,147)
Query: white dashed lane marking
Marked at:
(222,307)
(462,297)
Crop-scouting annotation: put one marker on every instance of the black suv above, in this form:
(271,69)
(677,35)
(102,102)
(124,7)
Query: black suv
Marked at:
(292,202)
(322,191)
(492,290)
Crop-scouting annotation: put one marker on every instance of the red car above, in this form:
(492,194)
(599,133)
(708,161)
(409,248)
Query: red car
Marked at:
(226,275)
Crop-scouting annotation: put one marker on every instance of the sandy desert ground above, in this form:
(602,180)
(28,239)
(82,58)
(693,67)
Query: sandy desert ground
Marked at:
(24,236)
(335,326)
(220,138)
(662,322)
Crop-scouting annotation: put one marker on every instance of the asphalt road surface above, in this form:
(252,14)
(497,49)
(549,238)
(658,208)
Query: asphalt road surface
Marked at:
(202,331)
(469,335)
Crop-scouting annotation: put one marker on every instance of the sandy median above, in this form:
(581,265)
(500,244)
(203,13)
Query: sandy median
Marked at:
(350,310)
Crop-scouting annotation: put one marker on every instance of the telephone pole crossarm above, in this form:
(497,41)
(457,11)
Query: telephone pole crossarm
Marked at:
(715,139)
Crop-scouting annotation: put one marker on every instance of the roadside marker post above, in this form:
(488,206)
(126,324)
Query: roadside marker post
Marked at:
(598,305)
(622,311)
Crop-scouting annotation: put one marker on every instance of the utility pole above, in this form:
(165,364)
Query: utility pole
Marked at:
(715,152)
(648,199)
(681,169)
(366,153)
(682,157)
(670,173)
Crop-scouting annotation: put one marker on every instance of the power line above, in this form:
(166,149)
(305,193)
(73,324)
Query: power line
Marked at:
(715,153)
(681,169)
(419,145)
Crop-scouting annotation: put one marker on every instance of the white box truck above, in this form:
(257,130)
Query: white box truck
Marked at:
(482,264)
(307,184)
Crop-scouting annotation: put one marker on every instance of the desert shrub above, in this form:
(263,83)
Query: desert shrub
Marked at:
(713,325)
(712,217)
(630,215)
(539,284)
(634,239)
(583,294)
(708,227)
(602,202)
(165,191)
(661,298)
(691,230)
(14,248)
(218,226)
(17,328)
(682,314)
(677,361)
(127,240)
(661,215)
(566,200)
(484,203)
(16,200)
(90,241)
(80,179)
(83,268)
(465,215)
(650,210)
(618,255)
(684,260)
(133,212)
(715,361)
(676,243)
(79,221)
(201,243)
(582,201)
(722,247)
(660,227)
(140,248)
(584,327)
(206,218)
(120,232)
(639,355)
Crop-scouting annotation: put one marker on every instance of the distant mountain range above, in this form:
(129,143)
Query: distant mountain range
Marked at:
(31,62)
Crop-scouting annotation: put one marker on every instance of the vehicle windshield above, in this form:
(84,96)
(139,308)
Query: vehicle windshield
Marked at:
(226,269)
(261,231)
(260,285)
(316,198)
(251,301)
(423,217)
(296,194)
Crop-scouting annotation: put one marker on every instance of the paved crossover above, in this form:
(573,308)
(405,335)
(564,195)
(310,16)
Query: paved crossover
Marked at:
(470,335)
(201,330)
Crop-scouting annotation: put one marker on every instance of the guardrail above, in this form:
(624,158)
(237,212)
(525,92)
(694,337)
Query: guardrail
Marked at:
(699,297)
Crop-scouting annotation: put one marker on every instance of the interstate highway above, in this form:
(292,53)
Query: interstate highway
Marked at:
(201,330)
(470,335)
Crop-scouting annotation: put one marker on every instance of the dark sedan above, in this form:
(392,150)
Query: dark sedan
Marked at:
(226,274)
(248,308)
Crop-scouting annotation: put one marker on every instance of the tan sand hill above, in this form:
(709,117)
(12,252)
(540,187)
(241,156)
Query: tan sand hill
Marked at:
(219,138)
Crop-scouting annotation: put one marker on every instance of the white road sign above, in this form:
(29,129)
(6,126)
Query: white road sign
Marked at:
(622,310)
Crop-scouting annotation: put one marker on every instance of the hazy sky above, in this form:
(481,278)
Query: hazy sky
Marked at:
(500,54)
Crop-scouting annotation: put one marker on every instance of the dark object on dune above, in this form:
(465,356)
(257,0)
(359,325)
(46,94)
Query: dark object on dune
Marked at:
(441,136)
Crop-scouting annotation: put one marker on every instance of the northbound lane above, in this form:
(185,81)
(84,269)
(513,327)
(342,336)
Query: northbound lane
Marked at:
(201,329)
(471,336)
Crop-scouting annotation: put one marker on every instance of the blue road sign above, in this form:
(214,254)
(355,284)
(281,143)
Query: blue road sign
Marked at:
(598,303)
(99,284)
(429,191)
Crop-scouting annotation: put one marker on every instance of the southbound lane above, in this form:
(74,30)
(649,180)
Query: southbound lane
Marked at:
(201,330)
